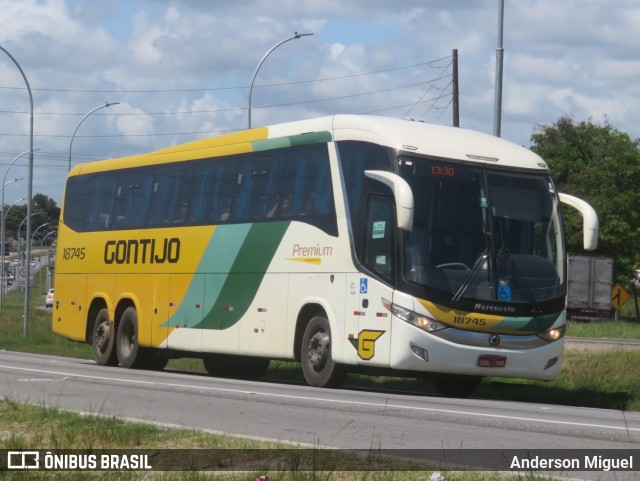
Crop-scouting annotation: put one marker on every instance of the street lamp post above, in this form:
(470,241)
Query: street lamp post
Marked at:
(25,324)
(36,231)
(47,235)
(28,230)
(28,242)
(296,35)
(2,216)
(2,236)
(2,286)
(106,104)
(49,255)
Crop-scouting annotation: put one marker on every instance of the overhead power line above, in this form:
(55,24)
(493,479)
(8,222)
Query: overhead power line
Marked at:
(289,104)
(439,86)
(237,87)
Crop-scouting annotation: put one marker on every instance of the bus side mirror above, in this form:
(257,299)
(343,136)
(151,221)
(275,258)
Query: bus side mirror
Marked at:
(590,224)
(402,193)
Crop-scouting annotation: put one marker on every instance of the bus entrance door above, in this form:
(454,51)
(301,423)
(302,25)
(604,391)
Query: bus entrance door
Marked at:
(374,323)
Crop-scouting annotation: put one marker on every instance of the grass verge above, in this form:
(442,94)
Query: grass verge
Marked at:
(25,427)
(623,329)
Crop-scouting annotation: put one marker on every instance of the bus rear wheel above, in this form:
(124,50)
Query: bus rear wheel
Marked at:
(319,369)
(130,354)
(103,340)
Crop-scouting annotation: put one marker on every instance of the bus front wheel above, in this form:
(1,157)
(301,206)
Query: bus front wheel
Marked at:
(103,340)
(319,369)
(130,354)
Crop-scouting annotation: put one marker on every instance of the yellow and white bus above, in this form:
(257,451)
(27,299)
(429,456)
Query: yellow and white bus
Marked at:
(346,243)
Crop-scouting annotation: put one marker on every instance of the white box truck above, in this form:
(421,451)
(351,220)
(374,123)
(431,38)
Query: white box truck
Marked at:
(589,285)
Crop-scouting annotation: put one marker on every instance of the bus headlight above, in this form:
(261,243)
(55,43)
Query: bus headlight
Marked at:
(419,320)
(553,334)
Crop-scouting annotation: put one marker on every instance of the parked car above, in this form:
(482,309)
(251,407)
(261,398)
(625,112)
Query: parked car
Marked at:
(49,299)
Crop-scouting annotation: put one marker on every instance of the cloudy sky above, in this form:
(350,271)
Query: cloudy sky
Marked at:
(181,69)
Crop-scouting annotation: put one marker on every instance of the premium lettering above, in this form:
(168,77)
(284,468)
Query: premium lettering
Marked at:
(142,251)
(316,250)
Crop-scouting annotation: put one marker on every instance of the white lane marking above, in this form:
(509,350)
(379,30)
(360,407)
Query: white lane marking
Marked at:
(42,379)
(336,401)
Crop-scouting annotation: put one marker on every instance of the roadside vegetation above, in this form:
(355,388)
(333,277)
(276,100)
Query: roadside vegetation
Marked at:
(622,329)
(25,427)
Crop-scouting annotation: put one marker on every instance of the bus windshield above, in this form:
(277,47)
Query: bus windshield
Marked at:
(483,234)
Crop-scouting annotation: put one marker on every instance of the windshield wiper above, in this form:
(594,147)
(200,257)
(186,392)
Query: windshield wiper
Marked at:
(466,282)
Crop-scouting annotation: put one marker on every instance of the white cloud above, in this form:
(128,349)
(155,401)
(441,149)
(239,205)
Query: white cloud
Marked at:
(161,59)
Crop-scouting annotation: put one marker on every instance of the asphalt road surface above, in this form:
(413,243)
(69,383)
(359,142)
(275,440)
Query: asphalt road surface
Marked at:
(338,418)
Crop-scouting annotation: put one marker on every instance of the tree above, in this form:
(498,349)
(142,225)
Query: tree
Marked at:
(44,210)
(602,166)
(42,203)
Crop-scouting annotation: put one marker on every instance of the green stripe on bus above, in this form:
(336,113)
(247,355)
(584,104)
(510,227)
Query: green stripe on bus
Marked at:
(533,324)
(217,261)
(292,141)
(245,276)
(311,138)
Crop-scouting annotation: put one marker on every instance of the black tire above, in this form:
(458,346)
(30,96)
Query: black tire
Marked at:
(130,354)
(318,367)
(222,365)
(156,360)
(457,385)
(103,340)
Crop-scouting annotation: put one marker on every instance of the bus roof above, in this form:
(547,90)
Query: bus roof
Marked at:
(403,135)
(419,138)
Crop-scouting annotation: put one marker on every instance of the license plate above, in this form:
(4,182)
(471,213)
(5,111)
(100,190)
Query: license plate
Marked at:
(492,361)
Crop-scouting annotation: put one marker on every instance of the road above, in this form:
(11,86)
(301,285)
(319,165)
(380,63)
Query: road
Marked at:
(319,417)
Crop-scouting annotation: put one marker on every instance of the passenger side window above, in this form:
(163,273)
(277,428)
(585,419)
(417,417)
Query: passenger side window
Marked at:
(379,243)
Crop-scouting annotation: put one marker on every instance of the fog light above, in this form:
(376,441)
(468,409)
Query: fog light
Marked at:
(420,352)
(551,362)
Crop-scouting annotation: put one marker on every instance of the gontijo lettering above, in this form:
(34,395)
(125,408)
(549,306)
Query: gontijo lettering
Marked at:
(142,251)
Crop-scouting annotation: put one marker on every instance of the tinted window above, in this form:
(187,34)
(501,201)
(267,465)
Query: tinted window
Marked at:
(282,184)
(355,158)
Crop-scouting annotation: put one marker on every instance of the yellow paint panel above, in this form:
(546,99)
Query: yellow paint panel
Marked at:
(452,317)
(242,137)
(66,312)
(306,260)
(132,251)
(236,143)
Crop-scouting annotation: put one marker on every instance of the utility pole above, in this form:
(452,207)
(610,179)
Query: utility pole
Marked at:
(497,108)
(456,93)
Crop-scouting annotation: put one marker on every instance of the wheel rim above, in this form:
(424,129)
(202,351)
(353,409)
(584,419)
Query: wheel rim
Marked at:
(318,350)
(128,339)
(103,337)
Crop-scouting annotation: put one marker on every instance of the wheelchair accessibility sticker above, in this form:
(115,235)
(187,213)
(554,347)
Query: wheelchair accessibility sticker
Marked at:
(504,292)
